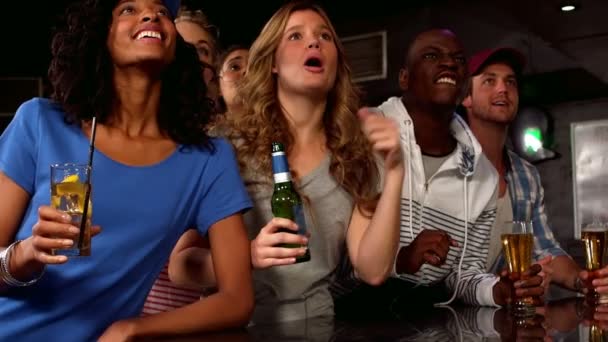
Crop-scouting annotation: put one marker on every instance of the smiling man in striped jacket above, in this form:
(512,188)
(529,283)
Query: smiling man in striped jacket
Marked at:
(448,203)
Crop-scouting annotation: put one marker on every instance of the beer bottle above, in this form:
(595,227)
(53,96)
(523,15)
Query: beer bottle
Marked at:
(286,202)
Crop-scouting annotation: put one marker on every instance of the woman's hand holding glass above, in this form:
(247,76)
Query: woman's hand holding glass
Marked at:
(53,230)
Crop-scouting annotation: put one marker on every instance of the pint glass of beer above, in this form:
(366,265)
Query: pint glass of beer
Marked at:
(597,334)
(517,247)
(595,239)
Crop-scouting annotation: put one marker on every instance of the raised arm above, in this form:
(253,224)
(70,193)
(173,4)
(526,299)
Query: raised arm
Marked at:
(372,243)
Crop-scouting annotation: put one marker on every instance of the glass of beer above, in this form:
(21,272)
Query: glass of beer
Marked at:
(597,334)
(69,183)
(517,247)
(595,239)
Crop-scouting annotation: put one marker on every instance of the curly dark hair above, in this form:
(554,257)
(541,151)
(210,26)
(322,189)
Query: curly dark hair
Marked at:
(80,75)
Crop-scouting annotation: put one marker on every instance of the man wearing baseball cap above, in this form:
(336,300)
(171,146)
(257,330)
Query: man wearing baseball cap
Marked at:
(491,105)
(448,200)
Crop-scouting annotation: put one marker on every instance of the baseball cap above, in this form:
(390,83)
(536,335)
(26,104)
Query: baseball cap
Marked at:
(172,6)
(508,55)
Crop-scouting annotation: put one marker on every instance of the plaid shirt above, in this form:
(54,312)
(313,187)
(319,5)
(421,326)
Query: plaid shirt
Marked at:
(528,202)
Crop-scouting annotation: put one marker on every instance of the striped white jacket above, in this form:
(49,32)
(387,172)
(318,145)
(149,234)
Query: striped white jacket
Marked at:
(460,198)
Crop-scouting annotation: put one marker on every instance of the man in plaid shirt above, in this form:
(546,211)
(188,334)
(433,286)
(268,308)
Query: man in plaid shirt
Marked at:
(491,106)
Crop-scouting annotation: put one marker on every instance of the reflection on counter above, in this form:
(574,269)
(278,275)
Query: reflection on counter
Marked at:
(564,320)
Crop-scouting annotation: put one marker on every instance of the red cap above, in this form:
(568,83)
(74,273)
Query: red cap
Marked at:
(512,57)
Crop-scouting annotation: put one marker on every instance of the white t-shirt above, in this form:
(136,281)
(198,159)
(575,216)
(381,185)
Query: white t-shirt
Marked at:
(504,213)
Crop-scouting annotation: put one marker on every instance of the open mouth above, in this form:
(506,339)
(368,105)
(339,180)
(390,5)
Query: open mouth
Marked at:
(149,35)
(313,62)
(500,103)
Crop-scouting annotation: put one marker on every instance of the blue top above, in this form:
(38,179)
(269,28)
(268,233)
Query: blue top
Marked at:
(142,211)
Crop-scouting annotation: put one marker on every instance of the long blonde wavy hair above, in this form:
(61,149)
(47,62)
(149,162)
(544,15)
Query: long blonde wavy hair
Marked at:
(262,120)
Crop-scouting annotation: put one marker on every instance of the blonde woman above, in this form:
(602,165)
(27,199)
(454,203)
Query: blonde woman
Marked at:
(298,90)
(195,28)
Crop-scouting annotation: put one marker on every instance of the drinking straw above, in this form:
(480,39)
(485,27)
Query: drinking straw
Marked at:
(87,193)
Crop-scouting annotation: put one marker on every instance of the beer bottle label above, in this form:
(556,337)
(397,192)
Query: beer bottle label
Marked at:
(280,168)
(299,219)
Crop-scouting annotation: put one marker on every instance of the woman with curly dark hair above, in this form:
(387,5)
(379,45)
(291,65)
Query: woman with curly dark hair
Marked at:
(156,173)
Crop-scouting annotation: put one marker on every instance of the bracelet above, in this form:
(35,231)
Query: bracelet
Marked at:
(5,275)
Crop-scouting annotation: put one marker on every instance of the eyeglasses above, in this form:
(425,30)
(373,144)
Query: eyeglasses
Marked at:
(234,70)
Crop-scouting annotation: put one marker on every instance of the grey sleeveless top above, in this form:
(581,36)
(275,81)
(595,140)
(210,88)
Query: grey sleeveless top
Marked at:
(300,291)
